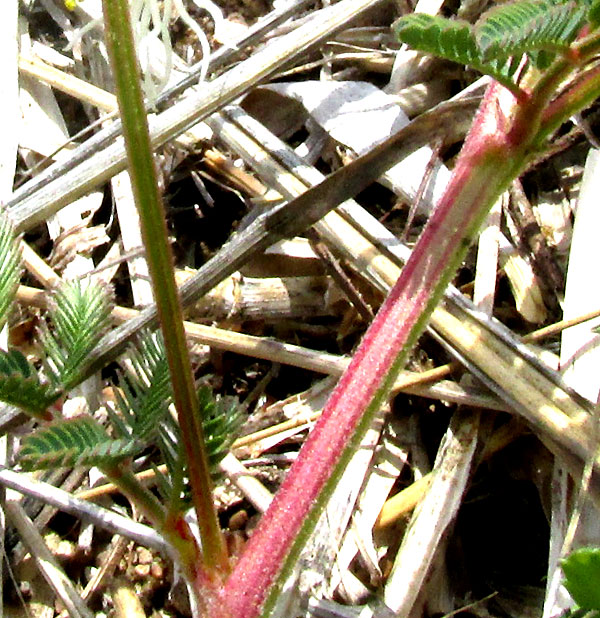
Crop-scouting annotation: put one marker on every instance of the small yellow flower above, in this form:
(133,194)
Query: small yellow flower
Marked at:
(71,4)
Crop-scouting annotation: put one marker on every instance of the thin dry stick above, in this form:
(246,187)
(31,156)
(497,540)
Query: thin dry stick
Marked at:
(279,352)
(106,571)
(437,146)
(557,327)
(334,268)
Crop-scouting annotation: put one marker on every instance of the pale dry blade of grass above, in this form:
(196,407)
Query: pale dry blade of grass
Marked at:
(42,128)
(360,115)
(580,346)
(198,104)
(523,284)
(434,514)
(33,66)
(390,460)
(131,237)
(47,564)
(580,353)
(484,288)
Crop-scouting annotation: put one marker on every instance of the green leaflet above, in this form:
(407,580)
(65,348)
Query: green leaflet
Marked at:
(21,386)
(582,572)
(221,420)
(143,401)
(454,40)
(75,442)
(539,28)
(594,14)
(142,416)
(79,314)
(529,25)
(10,266)
(145,388)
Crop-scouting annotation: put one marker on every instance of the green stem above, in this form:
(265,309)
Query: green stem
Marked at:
(120,44)
(579,94)
(540,107)
(144,500)
(174,529)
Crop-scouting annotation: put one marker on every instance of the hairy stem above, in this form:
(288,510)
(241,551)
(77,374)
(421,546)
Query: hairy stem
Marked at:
(482,172)
(121,48)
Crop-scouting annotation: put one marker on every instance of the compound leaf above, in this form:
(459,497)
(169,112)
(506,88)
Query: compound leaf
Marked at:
(451,39)
(146,391)
(221,420)
(79,441)
(454,40)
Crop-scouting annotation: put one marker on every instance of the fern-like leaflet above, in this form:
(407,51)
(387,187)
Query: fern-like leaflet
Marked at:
(141,419)
(145,393)
(496,43)
(79,314)
(221,420)
(10,266)
(144,399)
(79,441)
(20,385)
(143,402)
(529,26)
(453,40)
(594,13)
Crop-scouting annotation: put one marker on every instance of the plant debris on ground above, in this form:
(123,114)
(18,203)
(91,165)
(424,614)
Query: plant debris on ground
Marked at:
(277,333)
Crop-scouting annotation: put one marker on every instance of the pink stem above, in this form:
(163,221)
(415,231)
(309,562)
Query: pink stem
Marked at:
(474,185)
